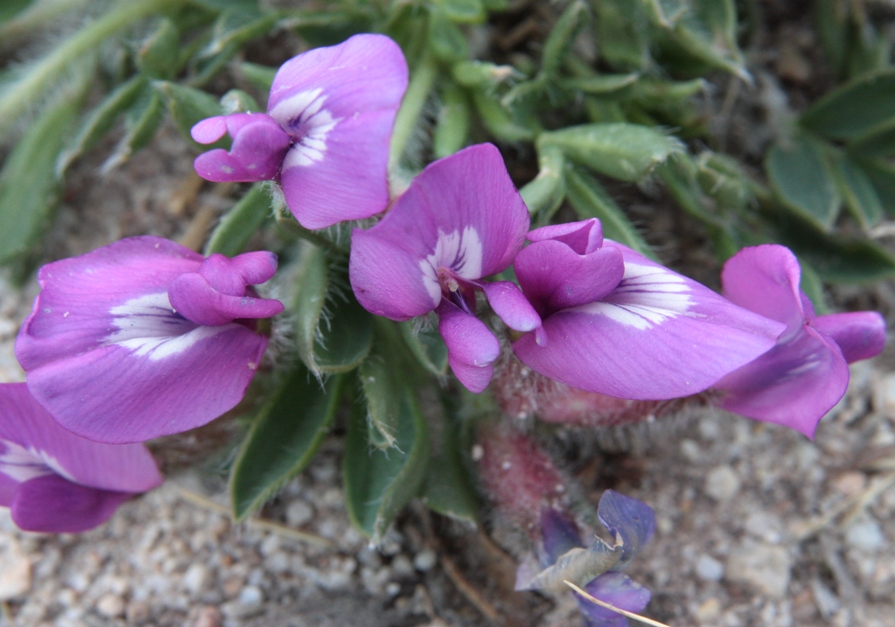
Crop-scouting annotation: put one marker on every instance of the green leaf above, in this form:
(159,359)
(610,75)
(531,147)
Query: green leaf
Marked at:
(381,380)
(101,120)
(141,123)
(708,32)
(332,333)
(831,20)
(28,183)
(10,8)
(159,54)
(452,125)
(463,11)
(237,26)
(590,200)
(481,73)
(284,437)
(836,259)
(500,122)
(623,34)
(573,19)
(623,151)
(187,106)
(448,488)
(882,176)
(800,176)
(855,109)
(546,192)
(722,178)
(665,13)
(238,225)
(880,142)
(858,193)
(813,286)
(679,176)
(238,101)
(427,346)
(601,85)
(258,76)
(378,483)
(446,40)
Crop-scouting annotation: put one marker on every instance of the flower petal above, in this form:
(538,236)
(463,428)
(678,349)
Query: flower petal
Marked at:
(339,105)
(554,277)
(794,384)
(472,347)
(462,213)
(364,73)
(209,130)
(51,504)
(341,174)
(146,387)
(508,302)
(765,279)
(125,468)
(634,521)
(73,313)
(584,236)
(257,152)
(197,301)
(658,335)
(618,590)
(860,334)
(559,532)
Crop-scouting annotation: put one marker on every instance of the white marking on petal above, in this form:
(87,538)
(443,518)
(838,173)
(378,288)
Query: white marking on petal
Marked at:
(149,326)
(21,464)
(460,253)
(304,118)
(646,297)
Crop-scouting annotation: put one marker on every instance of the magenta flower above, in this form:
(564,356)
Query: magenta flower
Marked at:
(54,481)
(460,220)
(564,556)
(325,137)
(806,373)
(619,324)
(144,338)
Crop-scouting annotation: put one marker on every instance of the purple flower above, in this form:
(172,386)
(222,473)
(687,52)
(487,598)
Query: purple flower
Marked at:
(460,220)
(564,556)
(54,481)
(806,373)
(325,136)
(619,324)
(144,338)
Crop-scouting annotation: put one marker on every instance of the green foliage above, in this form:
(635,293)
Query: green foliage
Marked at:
(379,482)
(238,225)
(333,333)
(800,174)
(284,437)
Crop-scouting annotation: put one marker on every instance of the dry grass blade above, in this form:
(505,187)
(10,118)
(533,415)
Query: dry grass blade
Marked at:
(267,525)
(631,615)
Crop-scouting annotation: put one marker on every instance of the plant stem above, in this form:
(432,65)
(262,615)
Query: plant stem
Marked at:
(408,115)
(38,78)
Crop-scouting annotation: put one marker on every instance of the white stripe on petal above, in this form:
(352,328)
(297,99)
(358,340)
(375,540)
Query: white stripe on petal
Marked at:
(304,118)
(646,297)
(460,253)
(21,464)
(149,326)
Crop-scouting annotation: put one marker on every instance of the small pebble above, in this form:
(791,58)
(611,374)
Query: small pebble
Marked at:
(722,483)
(15,570)
(298,513)
(425,560)
(865,536)
(764,567)
(110,605)
(709,569)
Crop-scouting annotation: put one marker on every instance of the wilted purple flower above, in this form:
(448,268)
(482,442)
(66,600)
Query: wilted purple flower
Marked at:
(616,323)
(806,373)
(325,137)
(460,220)
(55,481)
(564,556)
(144,338)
